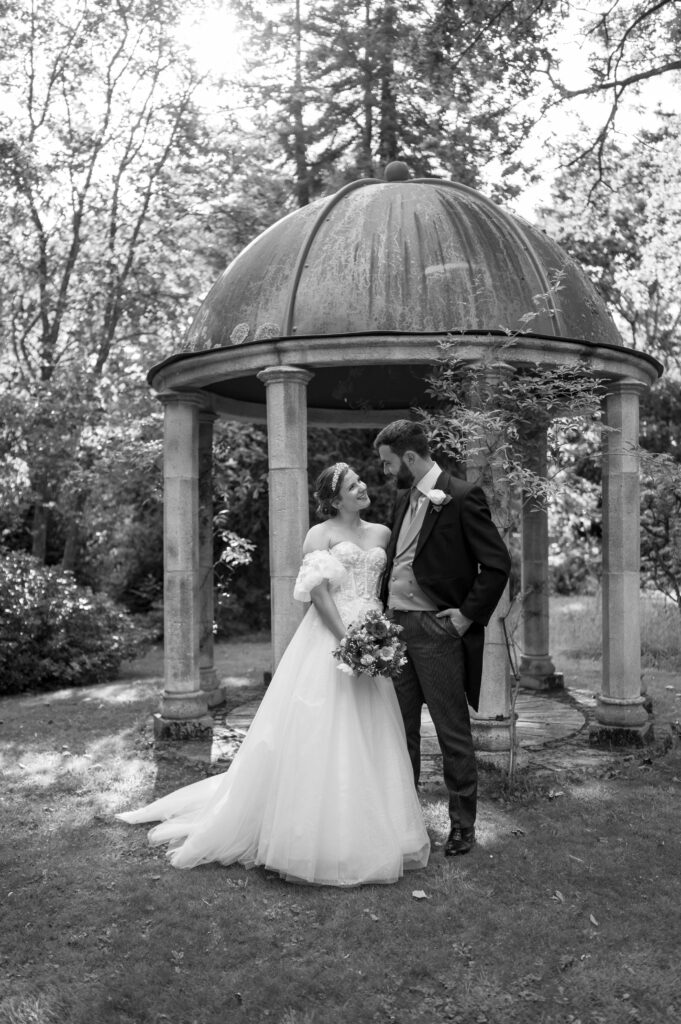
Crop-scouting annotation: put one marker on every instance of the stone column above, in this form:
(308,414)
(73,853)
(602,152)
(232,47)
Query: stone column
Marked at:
(183,703)
(289,518)
(536,669)
(621,717)
(491,724)
(208,676)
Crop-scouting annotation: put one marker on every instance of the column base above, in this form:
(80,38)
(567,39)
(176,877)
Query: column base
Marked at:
(210,687)
(621,735)
(621,712)
(183,706)
(542,683)
(491,734)
(183,729)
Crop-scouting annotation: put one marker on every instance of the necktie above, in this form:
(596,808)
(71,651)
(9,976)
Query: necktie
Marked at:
(414,497)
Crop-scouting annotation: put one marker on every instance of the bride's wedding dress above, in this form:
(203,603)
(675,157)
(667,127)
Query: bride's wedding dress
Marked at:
(322,789)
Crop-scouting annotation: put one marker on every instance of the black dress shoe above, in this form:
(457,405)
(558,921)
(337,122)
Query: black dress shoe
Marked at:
(460,840)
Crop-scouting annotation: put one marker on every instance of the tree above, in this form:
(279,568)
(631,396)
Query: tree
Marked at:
(661,525)
(488,415)
(348,87)
(628,237)
(489,418)
(630,43)
(100,141)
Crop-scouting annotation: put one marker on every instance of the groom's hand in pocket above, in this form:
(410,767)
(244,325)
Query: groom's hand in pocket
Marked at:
(459,621)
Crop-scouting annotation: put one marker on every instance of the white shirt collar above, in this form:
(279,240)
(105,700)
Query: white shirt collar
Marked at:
(427,482)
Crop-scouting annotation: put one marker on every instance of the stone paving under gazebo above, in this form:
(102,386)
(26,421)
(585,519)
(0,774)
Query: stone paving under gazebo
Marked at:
(541,720)
(334,316)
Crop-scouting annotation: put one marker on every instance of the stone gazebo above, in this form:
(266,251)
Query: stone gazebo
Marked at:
(333,316)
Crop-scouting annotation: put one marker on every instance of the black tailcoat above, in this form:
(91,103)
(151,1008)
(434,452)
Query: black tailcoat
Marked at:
(460,562)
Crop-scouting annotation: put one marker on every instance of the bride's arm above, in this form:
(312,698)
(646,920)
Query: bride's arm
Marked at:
(326,608)
(317,540)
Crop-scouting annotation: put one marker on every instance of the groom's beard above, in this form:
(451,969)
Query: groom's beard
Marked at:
(404,478)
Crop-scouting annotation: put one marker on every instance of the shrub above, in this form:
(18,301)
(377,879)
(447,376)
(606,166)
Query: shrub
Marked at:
(56,633)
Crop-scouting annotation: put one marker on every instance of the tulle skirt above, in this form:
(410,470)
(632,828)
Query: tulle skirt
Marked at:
(321,790)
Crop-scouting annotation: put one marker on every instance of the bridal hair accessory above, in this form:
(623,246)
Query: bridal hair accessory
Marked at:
(372,647)
(337,470)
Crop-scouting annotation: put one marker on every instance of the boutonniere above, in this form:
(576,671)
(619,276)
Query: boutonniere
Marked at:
(437,499)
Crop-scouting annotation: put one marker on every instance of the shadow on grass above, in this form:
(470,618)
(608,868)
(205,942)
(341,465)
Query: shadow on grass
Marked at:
(566,910)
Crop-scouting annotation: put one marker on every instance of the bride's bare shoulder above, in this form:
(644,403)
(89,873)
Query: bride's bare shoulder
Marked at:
(380,534)
(317,538)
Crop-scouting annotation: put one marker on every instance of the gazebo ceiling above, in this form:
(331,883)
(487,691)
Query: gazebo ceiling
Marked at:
(409,260)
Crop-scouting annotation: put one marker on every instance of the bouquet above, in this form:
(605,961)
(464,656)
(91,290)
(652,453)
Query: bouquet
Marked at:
(372,647)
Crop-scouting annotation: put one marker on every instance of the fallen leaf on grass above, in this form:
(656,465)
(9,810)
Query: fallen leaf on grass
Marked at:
(419,894)
(593,920)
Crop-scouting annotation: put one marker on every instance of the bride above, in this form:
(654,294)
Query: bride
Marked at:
(322,789)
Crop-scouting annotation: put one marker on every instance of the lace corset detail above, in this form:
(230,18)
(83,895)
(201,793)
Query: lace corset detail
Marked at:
(353,575)
(364,571)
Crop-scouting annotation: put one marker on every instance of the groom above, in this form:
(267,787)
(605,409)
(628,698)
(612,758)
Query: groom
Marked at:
(447,568)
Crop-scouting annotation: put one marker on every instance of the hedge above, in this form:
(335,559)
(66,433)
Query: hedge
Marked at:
(54,632)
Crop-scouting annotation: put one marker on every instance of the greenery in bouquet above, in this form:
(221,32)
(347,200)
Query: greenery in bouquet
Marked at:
(372,647)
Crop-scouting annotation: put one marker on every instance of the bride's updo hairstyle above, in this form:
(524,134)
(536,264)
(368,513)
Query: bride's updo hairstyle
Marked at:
(327,487)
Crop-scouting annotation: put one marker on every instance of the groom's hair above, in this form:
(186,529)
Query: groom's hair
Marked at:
(404,436)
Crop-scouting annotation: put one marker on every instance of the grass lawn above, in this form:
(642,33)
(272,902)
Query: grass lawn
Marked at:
(565,913)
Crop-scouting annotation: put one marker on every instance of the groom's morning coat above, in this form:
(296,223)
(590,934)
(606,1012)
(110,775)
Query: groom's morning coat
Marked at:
(460,562)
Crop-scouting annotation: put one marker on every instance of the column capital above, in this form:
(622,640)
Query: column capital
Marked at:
(625,386)
(195,398)
(284,375)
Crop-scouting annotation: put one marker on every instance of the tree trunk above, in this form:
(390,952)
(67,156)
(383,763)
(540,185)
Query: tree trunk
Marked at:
(388,111)
(39,529)
(73,533)
(299,135)
(365,161)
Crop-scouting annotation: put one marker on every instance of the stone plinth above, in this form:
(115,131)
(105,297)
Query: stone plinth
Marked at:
(184,729)
(538,674)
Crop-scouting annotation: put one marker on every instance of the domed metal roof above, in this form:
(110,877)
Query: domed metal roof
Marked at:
(361,288)
(417,256)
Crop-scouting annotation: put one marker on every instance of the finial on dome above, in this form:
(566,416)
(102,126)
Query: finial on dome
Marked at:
(397,170)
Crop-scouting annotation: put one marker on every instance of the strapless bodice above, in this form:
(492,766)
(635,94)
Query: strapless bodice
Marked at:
(357,590)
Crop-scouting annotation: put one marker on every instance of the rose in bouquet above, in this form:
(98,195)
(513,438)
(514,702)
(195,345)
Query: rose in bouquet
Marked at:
(372,647)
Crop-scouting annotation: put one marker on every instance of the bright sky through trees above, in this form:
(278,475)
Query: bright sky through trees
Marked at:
(215,41)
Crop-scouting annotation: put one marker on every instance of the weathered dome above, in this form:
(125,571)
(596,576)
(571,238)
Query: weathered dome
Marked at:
(418,256)
(359,289)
